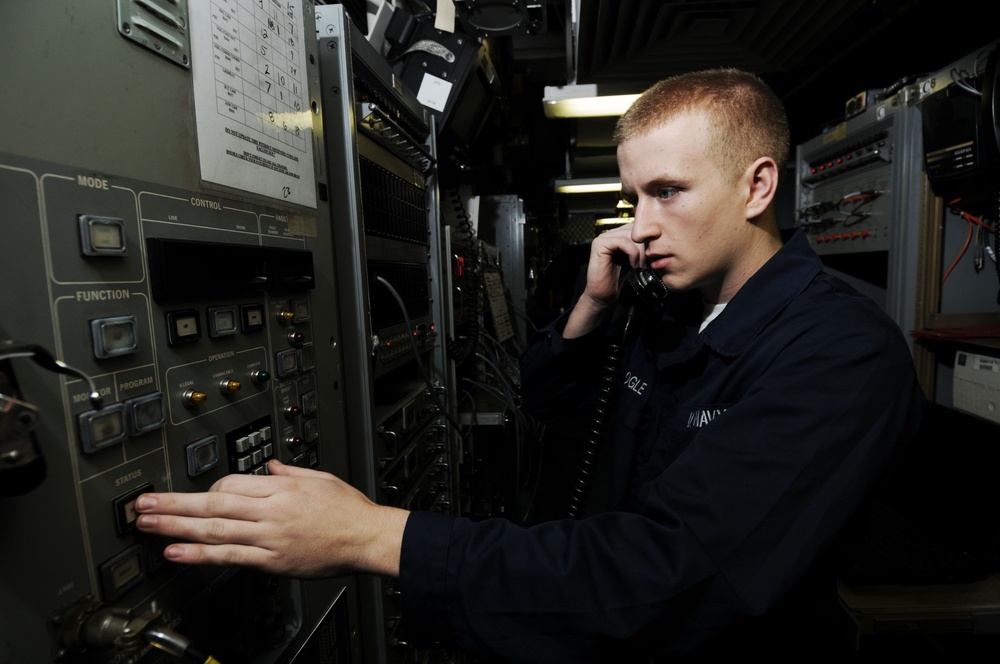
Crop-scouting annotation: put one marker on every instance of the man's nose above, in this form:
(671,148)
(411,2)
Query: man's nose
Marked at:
(642,230)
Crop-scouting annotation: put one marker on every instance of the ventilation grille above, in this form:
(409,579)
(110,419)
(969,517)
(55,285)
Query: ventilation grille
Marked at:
(393,208)
(411,282)
(159,25)
(647,40)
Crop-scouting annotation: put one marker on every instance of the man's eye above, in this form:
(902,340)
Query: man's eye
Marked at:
(666,192)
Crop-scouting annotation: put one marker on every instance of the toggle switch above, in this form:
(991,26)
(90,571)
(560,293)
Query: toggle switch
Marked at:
(193,398)
(228,387)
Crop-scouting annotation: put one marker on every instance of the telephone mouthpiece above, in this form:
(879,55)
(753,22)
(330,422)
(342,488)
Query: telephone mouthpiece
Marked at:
(644,287)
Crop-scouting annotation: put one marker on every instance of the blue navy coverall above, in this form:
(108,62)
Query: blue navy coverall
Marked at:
(739,453)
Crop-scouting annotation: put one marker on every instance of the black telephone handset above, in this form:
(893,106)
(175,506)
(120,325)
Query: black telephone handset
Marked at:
(641,290)
(643,286)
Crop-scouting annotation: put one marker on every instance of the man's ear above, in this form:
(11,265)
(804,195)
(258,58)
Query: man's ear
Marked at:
(762,178)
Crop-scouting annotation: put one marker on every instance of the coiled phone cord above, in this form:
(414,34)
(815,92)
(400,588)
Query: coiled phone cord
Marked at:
(595,433)
(640,292)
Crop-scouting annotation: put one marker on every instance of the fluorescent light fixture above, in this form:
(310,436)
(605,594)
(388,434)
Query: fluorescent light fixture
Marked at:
(614,221)
(587,185)
(583,101)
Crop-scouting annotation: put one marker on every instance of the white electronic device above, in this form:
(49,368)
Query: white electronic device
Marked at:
(976,385)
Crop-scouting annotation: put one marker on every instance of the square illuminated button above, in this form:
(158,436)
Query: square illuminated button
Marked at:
(114,336)
(102,428)
(122,572)
(124,506)
(253,317)
(222,321)
(183,326)
(102,236)
(145,413)
(307,357)
(309,403)
(300,311)
(202,455)
(310,431)
(287,362)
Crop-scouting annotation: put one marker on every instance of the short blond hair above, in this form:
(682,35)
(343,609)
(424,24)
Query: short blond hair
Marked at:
(749,120)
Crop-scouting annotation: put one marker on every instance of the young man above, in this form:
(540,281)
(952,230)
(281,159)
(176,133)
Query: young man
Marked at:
(754,413)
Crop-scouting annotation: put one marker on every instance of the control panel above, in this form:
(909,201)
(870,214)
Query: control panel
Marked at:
(191,359)
(168,321)
(844,182)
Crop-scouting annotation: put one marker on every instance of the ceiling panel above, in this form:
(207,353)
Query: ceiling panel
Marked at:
(816,54)
(641,41)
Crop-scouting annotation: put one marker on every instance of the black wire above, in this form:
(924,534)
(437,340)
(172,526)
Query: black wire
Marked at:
(43,358)
(470,326)
(416,354)
(996,242)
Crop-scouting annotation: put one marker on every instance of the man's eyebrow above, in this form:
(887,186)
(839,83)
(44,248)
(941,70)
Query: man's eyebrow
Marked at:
(665,181)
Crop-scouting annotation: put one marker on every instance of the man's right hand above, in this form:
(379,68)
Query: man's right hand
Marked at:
(609,253)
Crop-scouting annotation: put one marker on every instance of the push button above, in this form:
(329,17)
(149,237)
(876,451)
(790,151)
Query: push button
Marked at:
(122,572)
(114,336)
(145,413)
(102,428)
(102,236)
(222,322)
(202,455)
(183,327)
(124,506)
